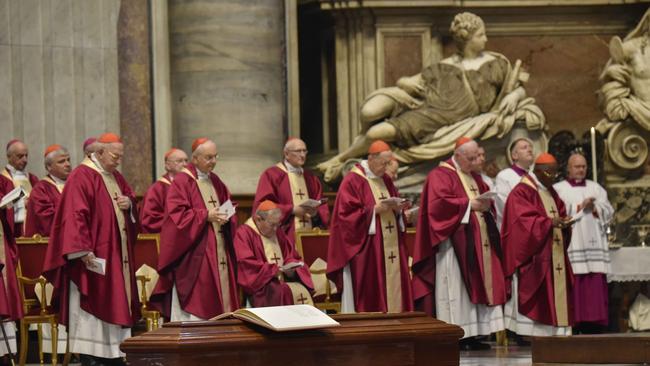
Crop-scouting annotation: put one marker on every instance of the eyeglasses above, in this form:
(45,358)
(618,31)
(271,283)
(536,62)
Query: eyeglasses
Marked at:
(114,157)
(548,174)
(177,161)
(210,157)
(299,151)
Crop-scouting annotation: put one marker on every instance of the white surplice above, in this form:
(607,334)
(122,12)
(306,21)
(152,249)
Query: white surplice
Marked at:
(177,312)
(91,336)
(505,181)
(588,251)
(10,331)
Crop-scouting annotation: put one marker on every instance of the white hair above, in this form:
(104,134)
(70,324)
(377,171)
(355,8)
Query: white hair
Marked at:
(49,158)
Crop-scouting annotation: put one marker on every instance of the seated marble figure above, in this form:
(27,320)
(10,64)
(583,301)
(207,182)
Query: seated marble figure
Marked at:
(474,93)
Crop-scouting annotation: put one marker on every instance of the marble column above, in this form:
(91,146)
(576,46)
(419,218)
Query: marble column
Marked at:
(135,93)
(228,82)
(58,73)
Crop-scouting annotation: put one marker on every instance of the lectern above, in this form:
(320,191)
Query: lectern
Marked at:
(362,339)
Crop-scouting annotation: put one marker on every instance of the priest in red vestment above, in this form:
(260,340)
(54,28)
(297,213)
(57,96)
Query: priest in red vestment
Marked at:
(153,203)
(457,262)
(269,269)
(6,313)
(197,260)
(12,176)
(367,254)
(535,236)
(45,195)
(90,254)
(289,184)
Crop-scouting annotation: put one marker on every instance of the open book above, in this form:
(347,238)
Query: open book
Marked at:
(292,265)
(283,318)
(13,196)
(487,195)
(393,201)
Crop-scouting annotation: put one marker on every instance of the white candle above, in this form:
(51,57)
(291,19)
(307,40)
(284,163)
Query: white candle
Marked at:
(594,169)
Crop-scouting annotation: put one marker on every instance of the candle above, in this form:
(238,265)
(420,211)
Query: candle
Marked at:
(594,169)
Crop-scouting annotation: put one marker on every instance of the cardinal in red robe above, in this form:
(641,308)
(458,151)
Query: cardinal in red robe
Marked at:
(457,265)
(289,184)
(46,194)
(89,257)
(153,203)
(269,269)
(535,236)
(12,176)
(197,260)
(367,254)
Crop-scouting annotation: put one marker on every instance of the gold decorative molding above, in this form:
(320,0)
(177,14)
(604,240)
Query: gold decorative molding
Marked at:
(357,4)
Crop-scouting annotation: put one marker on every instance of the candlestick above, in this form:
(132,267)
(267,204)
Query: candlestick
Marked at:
(594,169)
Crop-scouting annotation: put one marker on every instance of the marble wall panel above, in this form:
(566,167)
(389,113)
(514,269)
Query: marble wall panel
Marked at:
(228,83)
(403,57)
(58,75)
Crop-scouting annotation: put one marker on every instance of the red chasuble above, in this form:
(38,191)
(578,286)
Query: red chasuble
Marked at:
(444,203)
(8,263)
(41,207)
(189,257)
(258,276)
(274,186)
(153,205)
(351,244)
(6,186)
(86,221)
(529,243)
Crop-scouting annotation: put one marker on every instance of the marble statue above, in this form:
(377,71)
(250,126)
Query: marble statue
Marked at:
(474,93)
(625,99)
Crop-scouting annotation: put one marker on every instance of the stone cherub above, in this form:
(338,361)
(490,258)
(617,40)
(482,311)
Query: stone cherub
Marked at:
(474,93)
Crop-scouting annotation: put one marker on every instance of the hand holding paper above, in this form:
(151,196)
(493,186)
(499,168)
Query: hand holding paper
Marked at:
(228,209)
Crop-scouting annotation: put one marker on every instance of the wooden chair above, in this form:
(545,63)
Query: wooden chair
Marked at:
(146,251)
(312,245)
(31,254)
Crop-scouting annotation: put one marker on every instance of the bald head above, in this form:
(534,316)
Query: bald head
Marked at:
(577,167)
(17,155)
(295,152)
(521,153)
(175,161)
(466,156)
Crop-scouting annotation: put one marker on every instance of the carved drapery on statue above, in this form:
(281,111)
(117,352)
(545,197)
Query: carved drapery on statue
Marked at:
(474,93)
(625,99)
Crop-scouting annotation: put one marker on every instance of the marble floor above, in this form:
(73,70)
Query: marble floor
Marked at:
(497,356)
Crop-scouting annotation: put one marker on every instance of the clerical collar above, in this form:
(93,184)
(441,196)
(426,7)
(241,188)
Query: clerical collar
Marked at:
(519,170)
(202,175)
(291,168)
(98,164)
(15,173)
(367,171)
(577,183)
(56,180)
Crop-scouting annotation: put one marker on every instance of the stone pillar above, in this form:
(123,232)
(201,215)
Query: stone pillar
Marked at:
(135,93)
(228,83)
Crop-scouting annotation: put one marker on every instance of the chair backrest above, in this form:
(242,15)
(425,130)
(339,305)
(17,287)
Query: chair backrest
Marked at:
(146,250)
(31,255)
(312,245)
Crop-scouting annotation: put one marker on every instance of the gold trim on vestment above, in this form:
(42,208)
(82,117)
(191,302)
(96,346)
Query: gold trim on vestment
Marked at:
(59,187)
(472,191)
(558,269)
(211,200)
(299,194)
(390,244)
(165,180)
(273,254)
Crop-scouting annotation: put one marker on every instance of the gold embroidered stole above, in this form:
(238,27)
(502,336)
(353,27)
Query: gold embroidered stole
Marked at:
(299,194)
(559,272)
(390,244)
(472,191)
(273,254)
(59,187)
(165,180)
(26,184)
(211,200)
(114,191)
